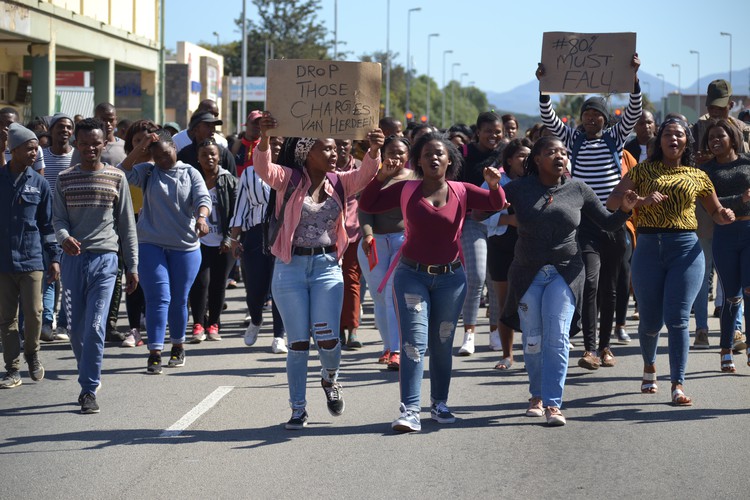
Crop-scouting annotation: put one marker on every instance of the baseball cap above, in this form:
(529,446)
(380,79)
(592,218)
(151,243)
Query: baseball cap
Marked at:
(204,118)
(719,92)
(254,115)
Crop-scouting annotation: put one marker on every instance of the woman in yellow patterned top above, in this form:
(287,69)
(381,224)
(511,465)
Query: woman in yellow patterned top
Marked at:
(668,264)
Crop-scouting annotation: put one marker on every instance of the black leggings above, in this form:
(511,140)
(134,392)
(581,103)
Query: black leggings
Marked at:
(623,282)
(602,256)
(258,269)
(209,289)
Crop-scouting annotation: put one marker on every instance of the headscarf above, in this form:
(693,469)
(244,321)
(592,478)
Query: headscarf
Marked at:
(302,149)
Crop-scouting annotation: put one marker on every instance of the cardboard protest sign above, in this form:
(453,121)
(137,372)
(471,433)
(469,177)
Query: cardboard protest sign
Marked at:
(587,63)
(323,98)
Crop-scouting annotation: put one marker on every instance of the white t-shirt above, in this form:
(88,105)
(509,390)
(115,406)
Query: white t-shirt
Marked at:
(214,236)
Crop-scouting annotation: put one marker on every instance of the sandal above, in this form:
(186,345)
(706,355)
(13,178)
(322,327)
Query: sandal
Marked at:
(727,365)
(506,363)
(680,399)
(648,386)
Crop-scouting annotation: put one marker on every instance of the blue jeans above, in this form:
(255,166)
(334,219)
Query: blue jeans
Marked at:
(546,311)
(667,273)
(428,308)
(732,259)
(309,292)
(258,268)
(166,277)
(88,281)
(474,245)
(386,321)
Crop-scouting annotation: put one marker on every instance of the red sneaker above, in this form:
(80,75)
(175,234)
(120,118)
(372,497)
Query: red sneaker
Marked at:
(394,361)
(213,333)
(383,359)
(199,334)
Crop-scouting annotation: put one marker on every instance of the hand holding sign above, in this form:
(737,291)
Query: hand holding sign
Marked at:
(585,63)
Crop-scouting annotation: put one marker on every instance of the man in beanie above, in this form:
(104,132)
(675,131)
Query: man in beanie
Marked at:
(7,116)
(25,233)
(595,158)
(718,104)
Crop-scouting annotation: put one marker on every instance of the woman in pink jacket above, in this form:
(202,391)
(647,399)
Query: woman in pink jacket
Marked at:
(307,281)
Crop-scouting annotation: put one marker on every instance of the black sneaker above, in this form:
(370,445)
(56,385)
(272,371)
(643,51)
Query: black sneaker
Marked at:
(10,380)
(298,420)
(177,357)
(335,397)
(88,403)
(154,364)
(36,370)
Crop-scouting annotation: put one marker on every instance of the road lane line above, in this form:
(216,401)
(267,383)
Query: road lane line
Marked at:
(176,429)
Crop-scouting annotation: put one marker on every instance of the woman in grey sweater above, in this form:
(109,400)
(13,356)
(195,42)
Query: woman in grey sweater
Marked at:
(176,204)
(545,280)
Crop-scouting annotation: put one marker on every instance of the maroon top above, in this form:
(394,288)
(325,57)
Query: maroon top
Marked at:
(432,231)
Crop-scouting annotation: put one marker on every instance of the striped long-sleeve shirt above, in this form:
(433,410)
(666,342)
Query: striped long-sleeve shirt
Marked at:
(252,200)
(594,163)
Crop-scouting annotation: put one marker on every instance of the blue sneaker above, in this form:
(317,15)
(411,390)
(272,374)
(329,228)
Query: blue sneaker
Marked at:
(407,422)
(441,414)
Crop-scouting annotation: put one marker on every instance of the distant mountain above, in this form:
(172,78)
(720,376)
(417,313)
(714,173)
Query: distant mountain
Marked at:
(525,98)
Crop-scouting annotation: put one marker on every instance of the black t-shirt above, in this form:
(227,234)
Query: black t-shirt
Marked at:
(474,163)
(189,155)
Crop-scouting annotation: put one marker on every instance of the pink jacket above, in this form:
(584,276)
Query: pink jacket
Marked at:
(278,176)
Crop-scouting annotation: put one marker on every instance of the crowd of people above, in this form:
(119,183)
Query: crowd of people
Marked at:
(556,224)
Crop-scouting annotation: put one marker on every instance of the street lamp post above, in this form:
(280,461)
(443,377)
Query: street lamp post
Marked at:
(663,97)
(453,92)
(218,41)
(724,33)
(679,87)
(388,59)
(429,76)
(698,85)
(445,53)
(408,57)
(461,83)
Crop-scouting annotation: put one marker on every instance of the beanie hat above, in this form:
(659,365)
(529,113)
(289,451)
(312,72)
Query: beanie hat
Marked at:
(597,104)
(18,135)
(57,117)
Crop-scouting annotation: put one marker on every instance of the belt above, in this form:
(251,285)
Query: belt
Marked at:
(433,269)
(743,217)
(313,251)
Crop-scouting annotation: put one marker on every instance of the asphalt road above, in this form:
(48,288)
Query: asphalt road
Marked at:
(214,429)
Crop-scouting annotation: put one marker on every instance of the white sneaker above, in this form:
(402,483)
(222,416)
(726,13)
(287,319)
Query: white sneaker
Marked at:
(467,349)
(251,334)
(62,334)
(278,346)
(247,320)
(495,344)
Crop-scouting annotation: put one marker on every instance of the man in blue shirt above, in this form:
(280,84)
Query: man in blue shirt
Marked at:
(25,231)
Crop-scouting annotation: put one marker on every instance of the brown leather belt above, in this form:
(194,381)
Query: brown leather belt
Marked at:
(433,269)
(313,251)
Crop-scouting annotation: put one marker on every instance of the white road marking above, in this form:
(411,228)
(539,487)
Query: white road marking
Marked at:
(176,429)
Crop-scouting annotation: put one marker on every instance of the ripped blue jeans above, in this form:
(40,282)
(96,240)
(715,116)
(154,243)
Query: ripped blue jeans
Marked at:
(427,307)
(667,273)
(546,311)
(309,293)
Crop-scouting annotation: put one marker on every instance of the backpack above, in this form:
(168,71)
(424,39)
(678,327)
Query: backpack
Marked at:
(608,140)
(272,224)
(406,193)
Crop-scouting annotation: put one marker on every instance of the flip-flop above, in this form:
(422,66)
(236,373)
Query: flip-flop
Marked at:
(680,399)
(504,364)
(648,385)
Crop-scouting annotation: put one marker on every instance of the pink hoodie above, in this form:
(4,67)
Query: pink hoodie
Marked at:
(278,176)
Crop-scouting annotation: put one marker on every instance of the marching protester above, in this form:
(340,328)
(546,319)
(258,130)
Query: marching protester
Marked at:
(176,205)
(93,218)
(310,239)
(27,235)
(429,283)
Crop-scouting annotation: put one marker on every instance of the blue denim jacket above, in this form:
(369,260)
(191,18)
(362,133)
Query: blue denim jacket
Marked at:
(26,223)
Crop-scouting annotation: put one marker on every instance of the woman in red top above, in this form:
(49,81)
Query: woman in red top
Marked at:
(429,283)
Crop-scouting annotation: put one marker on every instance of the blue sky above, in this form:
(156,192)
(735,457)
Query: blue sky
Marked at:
(498,44)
